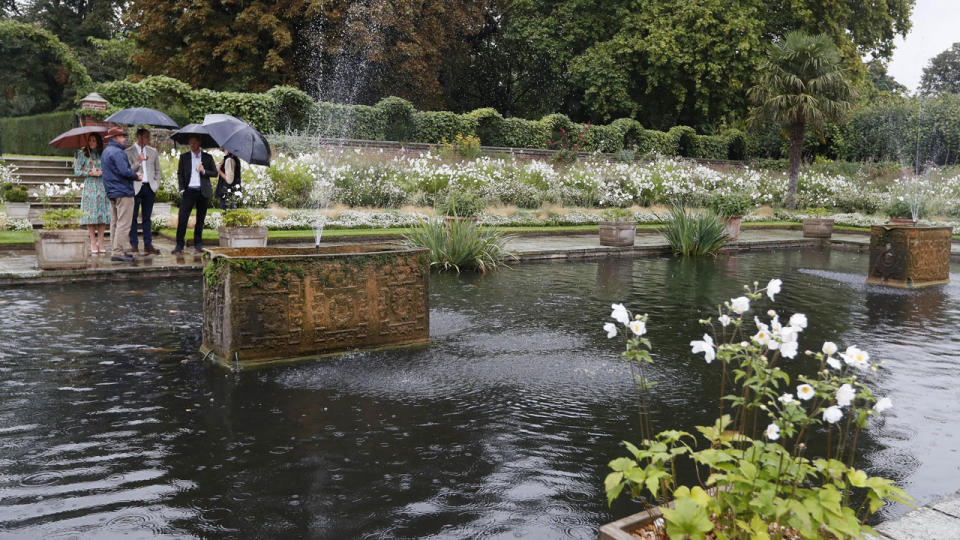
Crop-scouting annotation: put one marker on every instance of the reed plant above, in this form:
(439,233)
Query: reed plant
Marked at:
(694,233)
(460,245)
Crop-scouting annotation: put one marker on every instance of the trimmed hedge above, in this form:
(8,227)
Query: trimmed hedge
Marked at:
(31,134)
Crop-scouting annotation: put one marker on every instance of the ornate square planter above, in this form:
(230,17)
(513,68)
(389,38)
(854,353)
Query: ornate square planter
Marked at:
(61,249)
(906,256)
(274,305)
(243,237)
(817,228)
(618,233)
(18,210)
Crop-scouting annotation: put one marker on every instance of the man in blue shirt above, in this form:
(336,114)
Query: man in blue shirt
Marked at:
(118,179)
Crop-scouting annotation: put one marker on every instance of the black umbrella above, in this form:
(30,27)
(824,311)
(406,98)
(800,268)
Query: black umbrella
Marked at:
(238,137)
(183,135)
(141,116)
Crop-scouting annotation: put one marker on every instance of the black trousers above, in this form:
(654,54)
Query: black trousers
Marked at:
(191,198)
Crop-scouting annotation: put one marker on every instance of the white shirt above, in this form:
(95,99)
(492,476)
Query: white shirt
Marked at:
(146,171)
(194,175)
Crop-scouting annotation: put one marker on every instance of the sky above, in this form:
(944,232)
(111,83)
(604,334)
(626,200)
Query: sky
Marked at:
(936,26)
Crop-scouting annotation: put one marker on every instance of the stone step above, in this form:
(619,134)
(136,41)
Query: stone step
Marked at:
(37,179)
(45,170)
(38,162)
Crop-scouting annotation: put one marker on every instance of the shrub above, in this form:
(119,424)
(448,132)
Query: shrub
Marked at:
(294,110)
(292,185)
(520,133)
(434,126)
(397,116)
(460,245)
(490,126)
(462,147)
(461,204)
(657,142)
(701,233)
(242,217)
(31,134)
(732,205)
(17,195)
(64,218)
(687,143)
(736,142)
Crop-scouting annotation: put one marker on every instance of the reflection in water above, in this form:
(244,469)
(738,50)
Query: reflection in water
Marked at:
(502,427)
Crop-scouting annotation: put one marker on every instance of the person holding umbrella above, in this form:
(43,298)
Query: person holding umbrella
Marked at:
(194,172)
(93,200)
(229,182)
(118,179)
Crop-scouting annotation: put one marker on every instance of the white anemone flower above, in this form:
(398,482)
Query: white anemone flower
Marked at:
(883,404)
(786,398)
(610,329)
(773,432)
(845,395)
(773,287)
(834,363)
(789,350)
(856,357)
(832,415)
(724,320)
(787,334)
(798,321)
(704,346)
(740,305)
(620,314)
(762,337)
(805,392)
(829,348)
(638,328)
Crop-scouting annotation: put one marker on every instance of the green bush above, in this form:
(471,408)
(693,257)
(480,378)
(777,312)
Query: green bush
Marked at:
(701,233)
(630,131)
(736,142)
(657,142)
(687,143)
(294,110)
(521,133)
(350,121)
(711,146)
(434,126)
(490,126)
(242,217)
(397,118)
(32,134)
(64,218)
(461,203)
(293,185)
(735,204)
(460,245)
(16,195)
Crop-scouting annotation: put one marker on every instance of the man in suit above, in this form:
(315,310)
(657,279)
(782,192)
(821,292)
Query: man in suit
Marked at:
(146,160)
(118,179)
(194,172)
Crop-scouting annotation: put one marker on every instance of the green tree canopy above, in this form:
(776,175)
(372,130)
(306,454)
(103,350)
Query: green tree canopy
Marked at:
(942,73)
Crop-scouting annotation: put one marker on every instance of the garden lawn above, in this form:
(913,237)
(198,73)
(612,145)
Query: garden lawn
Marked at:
(16,237)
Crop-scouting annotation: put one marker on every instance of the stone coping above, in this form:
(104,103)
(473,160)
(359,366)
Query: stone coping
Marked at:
(938,520)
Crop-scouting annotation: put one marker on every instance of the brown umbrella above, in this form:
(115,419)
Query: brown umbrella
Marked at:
(76,137)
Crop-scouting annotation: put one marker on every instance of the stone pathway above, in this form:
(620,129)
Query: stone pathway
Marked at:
(935,521)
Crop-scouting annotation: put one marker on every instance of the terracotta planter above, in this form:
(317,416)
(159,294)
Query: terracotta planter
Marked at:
(618,233)
(907,256)
(817,228)
(18,210)
(265,306)
(733,227)
(243,237)
(61,249)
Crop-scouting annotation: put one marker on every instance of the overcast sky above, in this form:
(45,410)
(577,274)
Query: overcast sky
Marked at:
(936,26)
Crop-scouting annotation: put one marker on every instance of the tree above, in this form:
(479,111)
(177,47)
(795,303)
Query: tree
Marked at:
(802,84)
(881,80)
(942,73)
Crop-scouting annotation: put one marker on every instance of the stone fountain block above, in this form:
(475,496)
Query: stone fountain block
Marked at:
(907,256)
(265,306)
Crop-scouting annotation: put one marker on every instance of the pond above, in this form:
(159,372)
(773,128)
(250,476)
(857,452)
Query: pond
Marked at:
(110,424)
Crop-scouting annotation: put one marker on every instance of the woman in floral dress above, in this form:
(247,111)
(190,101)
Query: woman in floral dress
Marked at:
(93,202)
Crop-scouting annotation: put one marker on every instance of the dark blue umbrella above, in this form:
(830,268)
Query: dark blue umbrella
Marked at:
(238,137)
(141,116)
(183,135)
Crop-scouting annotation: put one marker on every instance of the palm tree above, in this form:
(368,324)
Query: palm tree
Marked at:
(802,84)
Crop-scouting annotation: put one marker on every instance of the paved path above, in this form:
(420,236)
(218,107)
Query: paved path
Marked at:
(18,267)
(935,521)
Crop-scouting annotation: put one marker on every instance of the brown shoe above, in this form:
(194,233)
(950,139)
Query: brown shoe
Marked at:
(134,249)
(151,250)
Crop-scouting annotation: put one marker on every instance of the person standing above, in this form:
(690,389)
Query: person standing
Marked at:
(118,179)
(146,160)
(228,185)
(93,201)
(194,172)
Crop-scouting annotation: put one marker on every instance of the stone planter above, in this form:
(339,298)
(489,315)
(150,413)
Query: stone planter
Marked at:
(243,237)
(623,529)
(618,233)
(61,249)
(162,209)
(907,256)
(18,210)
(265,306)
(733,227)
(817,228)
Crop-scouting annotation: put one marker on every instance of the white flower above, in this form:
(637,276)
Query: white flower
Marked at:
(740,304)
(610,329)
(798,321)
(638,328)
(773,432)
(856,358)
(724,320)
(883,404)
(805,392)
(762,337)
(705,346)
(773,287)
(834,363)
(620,314)
(787,334)
(786,398)
(845,395)
(829,348)
(789,350)
(832,414)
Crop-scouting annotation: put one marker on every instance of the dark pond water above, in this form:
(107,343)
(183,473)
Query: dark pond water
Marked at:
(110,426)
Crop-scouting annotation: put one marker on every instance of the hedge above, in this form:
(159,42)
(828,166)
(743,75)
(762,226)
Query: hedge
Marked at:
(31,134)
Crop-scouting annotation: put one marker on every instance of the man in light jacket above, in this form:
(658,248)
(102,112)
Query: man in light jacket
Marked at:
(118,179)
(146,160)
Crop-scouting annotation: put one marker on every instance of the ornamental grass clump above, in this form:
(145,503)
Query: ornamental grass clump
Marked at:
(694,233)
(778,462)
(460,245)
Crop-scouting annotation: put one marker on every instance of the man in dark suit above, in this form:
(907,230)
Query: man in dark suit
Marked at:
(194,172)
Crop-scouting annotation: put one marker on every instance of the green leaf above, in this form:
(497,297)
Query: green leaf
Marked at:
(687,519)
(613,485)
